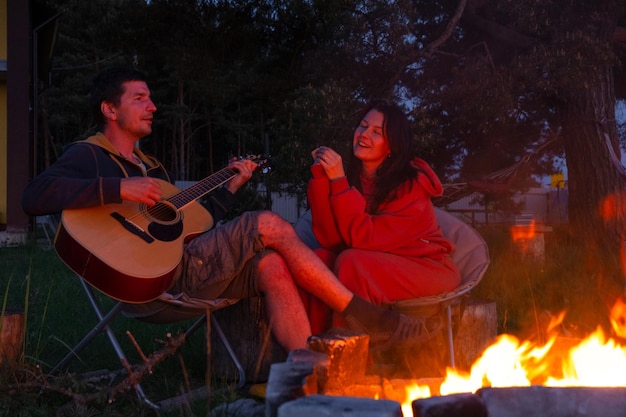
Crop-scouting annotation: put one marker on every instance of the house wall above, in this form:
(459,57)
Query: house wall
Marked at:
(3,112)
(15,152)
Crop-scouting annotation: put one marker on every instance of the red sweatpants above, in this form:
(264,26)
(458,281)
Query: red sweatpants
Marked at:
(380,277)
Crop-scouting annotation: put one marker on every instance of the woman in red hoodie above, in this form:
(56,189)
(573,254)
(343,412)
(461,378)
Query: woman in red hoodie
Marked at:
(376,222)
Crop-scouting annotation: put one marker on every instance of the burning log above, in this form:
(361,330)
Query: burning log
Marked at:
(347,352)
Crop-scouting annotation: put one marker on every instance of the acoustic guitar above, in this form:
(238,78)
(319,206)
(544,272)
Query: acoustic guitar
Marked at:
(130,251)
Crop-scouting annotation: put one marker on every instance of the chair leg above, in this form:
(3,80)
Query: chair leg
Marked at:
(450,335)
(231,352)
(215,325)
(103,324)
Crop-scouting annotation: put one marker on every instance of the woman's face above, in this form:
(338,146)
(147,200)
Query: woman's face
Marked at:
(369,143)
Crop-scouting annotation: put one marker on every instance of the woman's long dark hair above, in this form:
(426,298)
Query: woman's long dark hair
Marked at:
(397,168)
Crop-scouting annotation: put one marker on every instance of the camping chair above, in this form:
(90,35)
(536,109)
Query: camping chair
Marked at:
(104,319)
(471,257)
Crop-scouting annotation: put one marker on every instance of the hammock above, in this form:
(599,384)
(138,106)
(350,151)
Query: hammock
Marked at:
(616,161)
(496,182)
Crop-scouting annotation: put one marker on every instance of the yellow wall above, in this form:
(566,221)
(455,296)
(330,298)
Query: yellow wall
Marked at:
(3,115)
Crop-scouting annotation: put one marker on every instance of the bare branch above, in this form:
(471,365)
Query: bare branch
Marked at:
(135,374)
(449,28)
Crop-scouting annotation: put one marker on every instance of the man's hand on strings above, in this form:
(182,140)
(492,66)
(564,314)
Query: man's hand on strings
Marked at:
(141,189)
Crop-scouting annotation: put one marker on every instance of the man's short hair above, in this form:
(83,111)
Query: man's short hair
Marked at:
(107,86)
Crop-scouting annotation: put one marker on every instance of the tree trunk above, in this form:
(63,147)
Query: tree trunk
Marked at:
(594,181)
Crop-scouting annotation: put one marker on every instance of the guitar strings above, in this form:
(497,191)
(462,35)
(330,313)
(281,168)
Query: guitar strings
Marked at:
(192,193)
(201,188)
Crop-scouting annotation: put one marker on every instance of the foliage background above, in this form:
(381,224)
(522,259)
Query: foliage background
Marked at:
(282,77)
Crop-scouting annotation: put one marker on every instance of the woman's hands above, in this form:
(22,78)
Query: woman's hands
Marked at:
(329,160)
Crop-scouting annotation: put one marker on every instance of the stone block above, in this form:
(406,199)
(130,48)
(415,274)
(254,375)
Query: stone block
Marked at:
(455,405)
(288,381)
(320,364)
(540,401)
(326,405)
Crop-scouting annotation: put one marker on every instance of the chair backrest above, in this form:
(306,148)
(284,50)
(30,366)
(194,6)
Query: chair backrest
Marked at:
(472,253)
(304,229)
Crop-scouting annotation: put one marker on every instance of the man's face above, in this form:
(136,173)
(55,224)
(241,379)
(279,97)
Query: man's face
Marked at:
(134,113)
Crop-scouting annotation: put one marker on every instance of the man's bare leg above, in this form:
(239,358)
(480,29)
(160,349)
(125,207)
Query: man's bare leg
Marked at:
(285,311)
(307,269)
(385,327)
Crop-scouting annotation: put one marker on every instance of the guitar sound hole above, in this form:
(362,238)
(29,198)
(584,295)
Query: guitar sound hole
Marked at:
(163,213)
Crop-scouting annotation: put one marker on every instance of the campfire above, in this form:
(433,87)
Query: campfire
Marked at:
(596,361)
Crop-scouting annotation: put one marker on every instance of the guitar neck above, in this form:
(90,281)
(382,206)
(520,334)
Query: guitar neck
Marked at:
(202,188)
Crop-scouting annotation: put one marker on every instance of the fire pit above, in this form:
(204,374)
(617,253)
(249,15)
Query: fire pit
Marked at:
(562,377)
(536,401)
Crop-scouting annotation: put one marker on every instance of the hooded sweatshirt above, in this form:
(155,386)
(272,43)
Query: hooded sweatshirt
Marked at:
(405,225)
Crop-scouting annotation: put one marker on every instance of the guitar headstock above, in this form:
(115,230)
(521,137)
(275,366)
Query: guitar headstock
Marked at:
(262,161)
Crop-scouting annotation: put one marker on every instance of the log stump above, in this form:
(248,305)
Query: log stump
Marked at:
(477,330)
(12,331)
(474,328)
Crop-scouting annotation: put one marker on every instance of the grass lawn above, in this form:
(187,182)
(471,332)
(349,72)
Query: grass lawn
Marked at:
(58,315)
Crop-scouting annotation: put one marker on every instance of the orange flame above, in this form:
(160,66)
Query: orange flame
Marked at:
(596,361)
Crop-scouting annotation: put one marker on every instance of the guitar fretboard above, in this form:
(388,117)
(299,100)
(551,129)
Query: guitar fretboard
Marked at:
(201,188)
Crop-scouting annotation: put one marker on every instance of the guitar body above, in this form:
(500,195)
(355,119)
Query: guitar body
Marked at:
(130,251)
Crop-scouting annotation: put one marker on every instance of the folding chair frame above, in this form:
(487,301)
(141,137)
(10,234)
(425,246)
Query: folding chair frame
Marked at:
(103,324)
